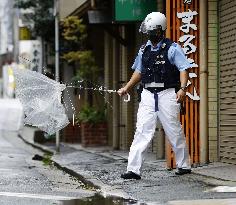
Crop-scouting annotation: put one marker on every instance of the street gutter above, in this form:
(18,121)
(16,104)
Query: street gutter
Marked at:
(86,179)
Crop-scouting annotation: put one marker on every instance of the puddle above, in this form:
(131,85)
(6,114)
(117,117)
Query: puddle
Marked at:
(97,199)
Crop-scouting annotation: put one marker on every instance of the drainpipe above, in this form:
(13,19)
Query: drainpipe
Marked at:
(115,98)
(203,49)
(93,4)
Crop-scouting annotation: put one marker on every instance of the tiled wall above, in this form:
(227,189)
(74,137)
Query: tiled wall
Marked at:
(213,77)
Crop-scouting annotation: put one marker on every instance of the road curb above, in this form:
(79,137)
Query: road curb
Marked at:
(84,178)
(214,181)
(38,146)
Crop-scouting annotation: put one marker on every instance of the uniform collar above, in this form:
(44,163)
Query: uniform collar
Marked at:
(149,43)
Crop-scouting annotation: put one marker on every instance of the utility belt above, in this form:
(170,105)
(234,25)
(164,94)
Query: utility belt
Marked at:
(157,87)
(160,87)
(155,90)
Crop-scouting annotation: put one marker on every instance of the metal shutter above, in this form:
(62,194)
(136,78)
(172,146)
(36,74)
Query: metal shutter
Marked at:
(227,98)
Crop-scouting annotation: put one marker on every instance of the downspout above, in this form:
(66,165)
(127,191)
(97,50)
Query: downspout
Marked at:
(115,98)
(218,81)
(203,49)
(93,4)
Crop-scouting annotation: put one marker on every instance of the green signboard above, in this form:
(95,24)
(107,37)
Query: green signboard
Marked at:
(133,10)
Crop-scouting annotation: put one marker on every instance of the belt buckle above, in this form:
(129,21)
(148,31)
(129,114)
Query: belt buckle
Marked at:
(156,85)
(160,85)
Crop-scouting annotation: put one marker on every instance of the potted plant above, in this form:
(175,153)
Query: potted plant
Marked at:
(75,52)
(93,126)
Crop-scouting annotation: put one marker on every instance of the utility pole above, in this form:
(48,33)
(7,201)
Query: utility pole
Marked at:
(56,14)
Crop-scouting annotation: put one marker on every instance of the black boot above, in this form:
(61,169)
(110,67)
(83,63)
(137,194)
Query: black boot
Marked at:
(182,171)
(130,175)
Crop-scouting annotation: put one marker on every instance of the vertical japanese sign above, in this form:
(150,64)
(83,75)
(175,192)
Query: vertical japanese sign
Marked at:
(32,51)
(187,1)
(6,26)
(182,27)
(187,41)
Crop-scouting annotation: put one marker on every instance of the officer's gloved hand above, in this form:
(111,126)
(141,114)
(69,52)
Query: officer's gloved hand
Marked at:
(122,91)
(180,96)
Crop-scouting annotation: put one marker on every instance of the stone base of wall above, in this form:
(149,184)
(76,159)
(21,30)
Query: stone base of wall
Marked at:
(72,134)
(94,134)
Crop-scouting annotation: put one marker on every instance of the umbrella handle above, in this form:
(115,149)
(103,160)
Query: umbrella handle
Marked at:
(127,99)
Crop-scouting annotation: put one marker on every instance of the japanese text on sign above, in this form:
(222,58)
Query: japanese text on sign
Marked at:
(187,1)
(188,46)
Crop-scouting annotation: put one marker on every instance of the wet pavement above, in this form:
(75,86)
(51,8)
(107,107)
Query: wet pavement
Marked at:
(205,202)
(28,176)
(102,168)
(26,181)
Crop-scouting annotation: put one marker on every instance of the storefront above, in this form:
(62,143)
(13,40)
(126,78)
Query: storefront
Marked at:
(227,97)
(194,25)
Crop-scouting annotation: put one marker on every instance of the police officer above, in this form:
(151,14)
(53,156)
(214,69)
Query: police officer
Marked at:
(161,67)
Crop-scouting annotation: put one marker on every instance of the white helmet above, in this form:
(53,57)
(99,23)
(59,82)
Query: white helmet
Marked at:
(153,21)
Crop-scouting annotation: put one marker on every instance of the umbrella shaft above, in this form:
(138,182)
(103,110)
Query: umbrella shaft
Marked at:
(102,90)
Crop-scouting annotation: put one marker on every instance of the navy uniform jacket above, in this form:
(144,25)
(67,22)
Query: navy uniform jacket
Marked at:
(176,57)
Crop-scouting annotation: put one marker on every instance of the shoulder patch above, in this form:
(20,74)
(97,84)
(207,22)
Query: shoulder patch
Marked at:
(163,45)
(174,44)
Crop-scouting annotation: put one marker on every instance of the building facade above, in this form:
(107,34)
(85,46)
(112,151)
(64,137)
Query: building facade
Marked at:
(206,31)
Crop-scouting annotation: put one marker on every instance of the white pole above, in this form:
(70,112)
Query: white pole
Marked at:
(56,14)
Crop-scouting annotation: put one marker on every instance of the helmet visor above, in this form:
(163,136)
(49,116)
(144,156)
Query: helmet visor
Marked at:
(143,28)
(156,31)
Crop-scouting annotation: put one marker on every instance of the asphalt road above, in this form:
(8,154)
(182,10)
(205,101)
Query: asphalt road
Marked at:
(32,182)
(26,181)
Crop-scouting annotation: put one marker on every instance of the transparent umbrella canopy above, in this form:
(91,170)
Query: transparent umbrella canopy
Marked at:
(41,100)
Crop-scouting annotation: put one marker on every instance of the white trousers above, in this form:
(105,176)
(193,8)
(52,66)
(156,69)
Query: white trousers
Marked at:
(146,124)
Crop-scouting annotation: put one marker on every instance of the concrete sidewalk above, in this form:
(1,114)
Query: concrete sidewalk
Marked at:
(101,167)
